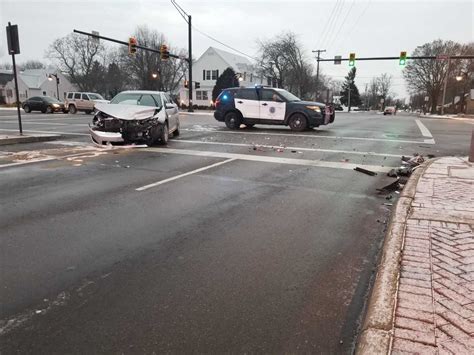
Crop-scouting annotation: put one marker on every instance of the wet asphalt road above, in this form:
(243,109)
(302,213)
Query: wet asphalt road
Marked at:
(270,251)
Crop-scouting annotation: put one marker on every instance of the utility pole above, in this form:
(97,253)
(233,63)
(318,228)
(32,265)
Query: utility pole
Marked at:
(190,61)
(445,84)
(366,97)
(318,58)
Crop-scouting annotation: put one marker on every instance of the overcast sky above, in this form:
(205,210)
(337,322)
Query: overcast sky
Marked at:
(368,28)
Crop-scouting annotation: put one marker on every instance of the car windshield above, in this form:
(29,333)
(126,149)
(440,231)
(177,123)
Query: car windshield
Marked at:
(52,100)
(95,97)
(288,96)
(138,99)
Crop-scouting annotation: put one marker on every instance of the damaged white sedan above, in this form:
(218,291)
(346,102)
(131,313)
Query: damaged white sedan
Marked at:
(147,117)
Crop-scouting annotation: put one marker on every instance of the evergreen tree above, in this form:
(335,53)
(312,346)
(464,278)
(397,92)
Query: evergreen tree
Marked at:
(349,83)
(226,80)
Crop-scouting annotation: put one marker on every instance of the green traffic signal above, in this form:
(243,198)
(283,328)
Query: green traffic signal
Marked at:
(403,58)
(352,57)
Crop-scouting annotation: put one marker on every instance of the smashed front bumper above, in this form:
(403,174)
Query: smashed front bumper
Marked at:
(101,137)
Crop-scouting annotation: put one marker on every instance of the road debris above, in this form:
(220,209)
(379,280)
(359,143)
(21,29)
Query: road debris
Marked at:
(390,187)
(367,172)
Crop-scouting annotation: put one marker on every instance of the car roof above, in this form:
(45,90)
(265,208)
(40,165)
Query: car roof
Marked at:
(141,92)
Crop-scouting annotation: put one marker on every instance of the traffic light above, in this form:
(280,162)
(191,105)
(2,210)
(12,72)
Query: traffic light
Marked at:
(197,85)
(352,59)
(403,58)
(186,84)
(164,54)
(132,46)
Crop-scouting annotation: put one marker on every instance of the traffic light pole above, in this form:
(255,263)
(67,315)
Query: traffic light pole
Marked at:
(398,58)
(319,51)
(190,63)
(123,42)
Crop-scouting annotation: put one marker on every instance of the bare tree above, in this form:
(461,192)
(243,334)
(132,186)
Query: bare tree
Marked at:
(75,56)
(147,70)
(384,84)
(426,75)
(32,64)
(282,57)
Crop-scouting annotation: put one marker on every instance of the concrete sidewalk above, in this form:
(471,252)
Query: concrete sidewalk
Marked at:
(423,297)
(6,139)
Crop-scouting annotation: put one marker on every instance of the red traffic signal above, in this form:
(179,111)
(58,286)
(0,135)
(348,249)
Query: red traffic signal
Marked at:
(164,54)
(132,45)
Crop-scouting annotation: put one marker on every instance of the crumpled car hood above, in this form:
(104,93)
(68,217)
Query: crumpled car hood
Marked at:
(127,112)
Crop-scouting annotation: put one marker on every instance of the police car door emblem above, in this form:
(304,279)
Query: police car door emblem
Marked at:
(272,109)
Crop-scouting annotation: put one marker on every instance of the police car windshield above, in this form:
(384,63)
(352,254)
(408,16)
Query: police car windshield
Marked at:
(288,96)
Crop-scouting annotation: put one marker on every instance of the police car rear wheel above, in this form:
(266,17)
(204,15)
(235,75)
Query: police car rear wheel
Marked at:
(233,120)
(298,122)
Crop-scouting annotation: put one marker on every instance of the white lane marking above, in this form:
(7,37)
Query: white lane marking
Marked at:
(424,131)
(276,160)
(54,132)
(183,175)
(307,136)
(290,148)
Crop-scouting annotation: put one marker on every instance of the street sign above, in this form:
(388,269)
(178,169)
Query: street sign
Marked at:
(337,59)
(95,39)
(12,39)
(442,57)
(427,98)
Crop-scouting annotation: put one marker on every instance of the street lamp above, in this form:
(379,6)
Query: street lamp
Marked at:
(50,78)
(459,77)
(154,75)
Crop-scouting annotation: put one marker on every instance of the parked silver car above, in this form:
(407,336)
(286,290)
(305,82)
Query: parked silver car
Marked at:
(136,117)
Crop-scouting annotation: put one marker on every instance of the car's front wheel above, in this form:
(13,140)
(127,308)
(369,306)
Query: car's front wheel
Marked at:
(298,122)
(164,134)
(72,109)
(27,108)
(49,109)
(233,120)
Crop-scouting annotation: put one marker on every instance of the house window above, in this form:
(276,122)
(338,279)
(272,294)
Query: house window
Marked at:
(215,74)
(201,95)
(44,93)
(269,81)
(9,93)
(208,75)
(251,77)
(245,76)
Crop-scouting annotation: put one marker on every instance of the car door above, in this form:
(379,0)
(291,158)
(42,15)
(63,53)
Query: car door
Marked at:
(33,102)
(246,101)
(172,111)
(86,104)
(272,105)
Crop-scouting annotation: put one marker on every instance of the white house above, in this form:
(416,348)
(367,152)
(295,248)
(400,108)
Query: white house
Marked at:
(34,82)
(209,66)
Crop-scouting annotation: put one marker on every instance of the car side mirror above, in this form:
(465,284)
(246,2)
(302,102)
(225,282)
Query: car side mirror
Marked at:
(169,106)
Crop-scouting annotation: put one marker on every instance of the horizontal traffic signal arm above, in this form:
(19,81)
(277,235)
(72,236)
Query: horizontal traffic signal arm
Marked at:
(126,43)
(398,57)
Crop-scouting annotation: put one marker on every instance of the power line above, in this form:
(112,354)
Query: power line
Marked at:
(222,43)
(333,23)
(354,29)
(330,17)
(342,24)
(183,13)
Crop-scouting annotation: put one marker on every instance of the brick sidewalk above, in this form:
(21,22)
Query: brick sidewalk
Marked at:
(434,313)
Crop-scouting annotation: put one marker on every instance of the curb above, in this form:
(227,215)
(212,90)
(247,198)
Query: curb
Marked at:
(28,139)
(376,332)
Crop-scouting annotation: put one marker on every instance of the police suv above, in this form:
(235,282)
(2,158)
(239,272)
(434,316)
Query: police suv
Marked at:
(266,105)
